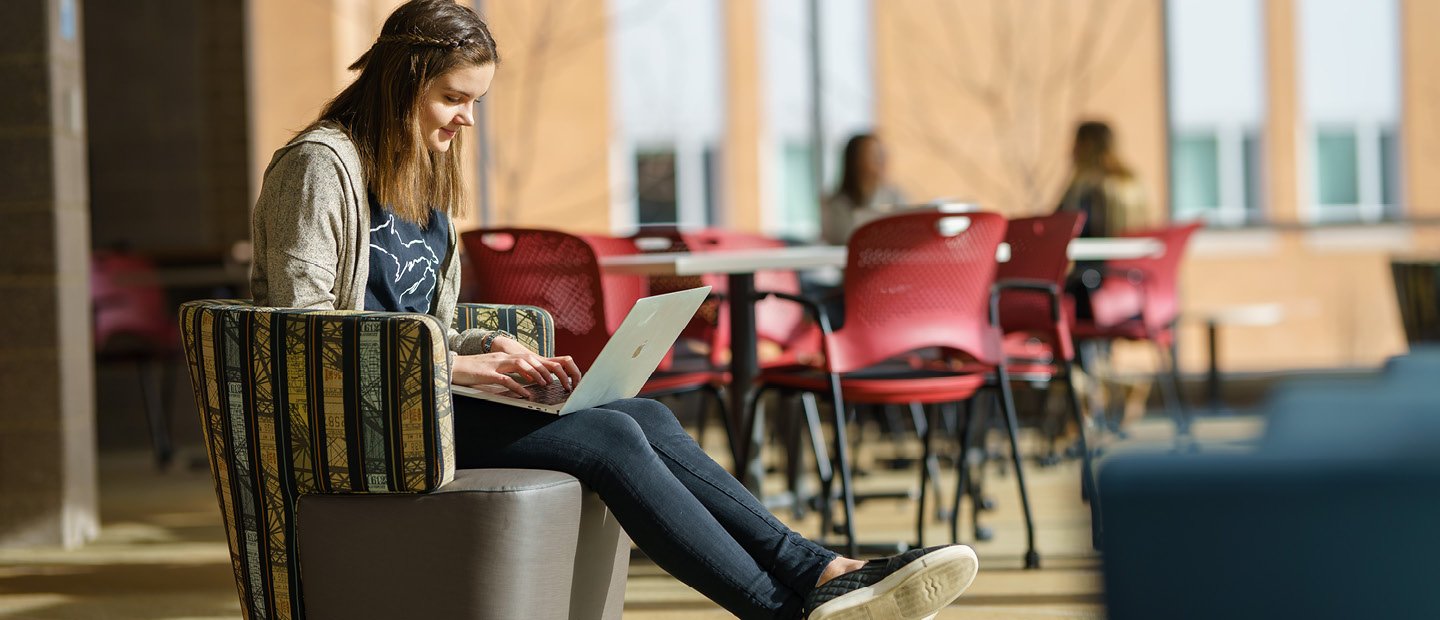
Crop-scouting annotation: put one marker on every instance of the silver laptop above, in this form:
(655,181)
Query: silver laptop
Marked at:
(622,367)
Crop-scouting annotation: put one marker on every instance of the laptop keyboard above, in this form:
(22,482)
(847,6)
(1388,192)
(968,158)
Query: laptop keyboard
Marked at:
(552,394)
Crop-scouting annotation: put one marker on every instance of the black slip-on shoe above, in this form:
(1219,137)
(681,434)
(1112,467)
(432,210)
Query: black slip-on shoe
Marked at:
(910,586)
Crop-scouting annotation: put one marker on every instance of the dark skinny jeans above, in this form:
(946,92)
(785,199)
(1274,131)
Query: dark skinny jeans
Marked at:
(681,508)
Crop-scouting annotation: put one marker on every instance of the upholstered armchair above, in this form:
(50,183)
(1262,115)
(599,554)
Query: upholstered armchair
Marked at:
(330,438)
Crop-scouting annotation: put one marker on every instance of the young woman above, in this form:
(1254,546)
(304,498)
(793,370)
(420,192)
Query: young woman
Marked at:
(864,193)
(355,213)
(1107,192)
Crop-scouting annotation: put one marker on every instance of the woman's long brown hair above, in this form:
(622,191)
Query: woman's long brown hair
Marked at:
(1094,154)
(420,41)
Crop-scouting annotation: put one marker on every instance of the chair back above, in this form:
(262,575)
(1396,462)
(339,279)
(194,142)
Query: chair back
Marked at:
(559,272)
(664,239)
(918,280)
(130,305)
(1159,298)
(294,402)
(1038,253)
(777,321)
(621,291)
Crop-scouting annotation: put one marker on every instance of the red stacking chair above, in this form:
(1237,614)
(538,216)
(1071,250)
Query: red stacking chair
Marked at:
(1138,299)
(776,321)
(667,239)
(133,323)
(1037,345)
(561,273)
(913,282)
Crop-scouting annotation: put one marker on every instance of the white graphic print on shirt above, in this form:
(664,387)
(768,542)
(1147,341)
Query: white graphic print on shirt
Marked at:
(416,276)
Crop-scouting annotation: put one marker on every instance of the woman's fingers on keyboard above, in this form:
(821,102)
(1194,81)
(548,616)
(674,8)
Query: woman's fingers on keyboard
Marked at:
(570,370)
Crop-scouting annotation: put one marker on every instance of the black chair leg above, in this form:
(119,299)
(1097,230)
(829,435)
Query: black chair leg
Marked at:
(1088,490)
(702,416)
(1168,378)
(718,399)
(157,410)
(741,447)
(1012,426)
(969,429)
(794,458)
(822,458)
(842,457)
(928,461)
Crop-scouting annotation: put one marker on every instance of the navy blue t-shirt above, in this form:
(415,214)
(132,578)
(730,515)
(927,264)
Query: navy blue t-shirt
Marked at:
(405,261)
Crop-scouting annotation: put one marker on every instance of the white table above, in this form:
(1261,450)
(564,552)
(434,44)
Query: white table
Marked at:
(741,265)
(814,257)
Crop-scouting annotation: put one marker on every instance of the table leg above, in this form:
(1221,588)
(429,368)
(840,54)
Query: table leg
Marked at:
(743,369)
(1212,379)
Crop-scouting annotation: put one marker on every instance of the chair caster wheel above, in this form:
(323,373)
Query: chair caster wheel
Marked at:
(942,514)
(1049,460)
(983,533)
(985,504)
(1032,559)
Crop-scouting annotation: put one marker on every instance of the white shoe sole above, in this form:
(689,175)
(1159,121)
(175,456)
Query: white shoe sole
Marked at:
(919,590)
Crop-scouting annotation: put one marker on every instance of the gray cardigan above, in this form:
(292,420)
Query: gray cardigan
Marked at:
(311,234)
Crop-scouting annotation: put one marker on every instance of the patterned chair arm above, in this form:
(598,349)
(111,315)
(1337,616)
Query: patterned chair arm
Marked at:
(531,324)
(311,401)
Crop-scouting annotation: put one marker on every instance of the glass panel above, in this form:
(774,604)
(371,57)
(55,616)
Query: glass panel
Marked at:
(1252,162)
(712,185)
(1337,169)
(655,187)
(802,214)
(1389,172)
(1195,160)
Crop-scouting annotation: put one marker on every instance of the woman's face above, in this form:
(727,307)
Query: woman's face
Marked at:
(449,104)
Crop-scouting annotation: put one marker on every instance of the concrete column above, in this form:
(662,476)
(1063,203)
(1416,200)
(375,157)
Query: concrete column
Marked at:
(47,439)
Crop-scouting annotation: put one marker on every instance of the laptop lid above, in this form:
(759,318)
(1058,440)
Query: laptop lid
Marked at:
(635,350)
(629,358)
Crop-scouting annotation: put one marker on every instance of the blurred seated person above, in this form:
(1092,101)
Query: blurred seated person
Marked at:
(864,193)
(1113,201)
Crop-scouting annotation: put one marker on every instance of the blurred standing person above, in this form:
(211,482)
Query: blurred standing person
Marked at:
(1113,201)
(864,193)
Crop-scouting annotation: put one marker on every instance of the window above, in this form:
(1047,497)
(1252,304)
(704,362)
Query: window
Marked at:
(1354,173)
(790,205)
(1195,158)
(1217,100)
(800,214)
(1350,93)
(1337,173)
(668,106)
(1215,175)
(655,194)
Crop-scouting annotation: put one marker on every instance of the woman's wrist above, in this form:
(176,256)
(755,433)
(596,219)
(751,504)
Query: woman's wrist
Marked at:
(488,342)
(506,343)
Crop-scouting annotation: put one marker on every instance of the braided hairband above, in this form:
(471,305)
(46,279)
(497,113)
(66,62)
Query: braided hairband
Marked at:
(422,40)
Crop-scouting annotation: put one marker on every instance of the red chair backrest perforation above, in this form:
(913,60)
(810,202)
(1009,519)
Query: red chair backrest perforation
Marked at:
(918,280)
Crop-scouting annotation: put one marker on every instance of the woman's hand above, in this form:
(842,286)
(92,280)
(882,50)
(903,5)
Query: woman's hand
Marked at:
(503,368)
(562,367)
